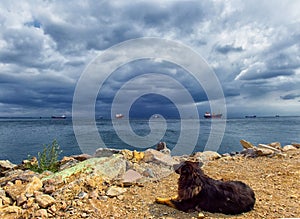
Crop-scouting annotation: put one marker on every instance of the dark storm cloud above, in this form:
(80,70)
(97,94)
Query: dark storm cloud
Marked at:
(46,45)
(290,96)
(228,48)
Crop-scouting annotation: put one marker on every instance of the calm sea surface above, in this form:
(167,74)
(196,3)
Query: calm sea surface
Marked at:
(20,137)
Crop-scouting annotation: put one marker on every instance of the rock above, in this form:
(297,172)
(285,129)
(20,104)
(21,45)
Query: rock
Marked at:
(105,152)
(288,148)
(82,195)
(44,200)
(148,173)
(21,199)
(48,189)
(200,215)
(250,152)
(157,157)
(264,146)
(114,191)
(6,165)
(162,147)
(276,145)
(12,209)
(14,191)
(6,200)
(206,156)
(41,213)
(108,167)
(81,157)
(296,145)
(246,144)
(264,152)
(111,168)
(133,156)
(35,185)
(131,176)
(2,192)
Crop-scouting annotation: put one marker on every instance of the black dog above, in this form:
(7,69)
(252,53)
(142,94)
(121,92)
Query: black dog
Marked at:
(196,191)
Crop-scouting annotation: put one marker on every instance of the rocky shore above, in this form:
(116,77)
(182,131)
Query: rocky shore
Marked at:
(124,184)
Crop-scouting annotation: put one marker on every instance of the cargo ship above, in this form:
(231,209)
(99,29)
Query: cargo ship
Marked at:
(208,115)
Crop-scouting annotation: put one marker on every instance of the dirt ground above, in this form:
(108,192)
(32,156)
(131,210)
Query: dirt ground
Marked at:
(275,181)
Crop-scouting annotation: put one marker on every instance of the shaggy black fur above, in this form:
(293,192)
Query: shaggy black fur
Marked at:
(197,191)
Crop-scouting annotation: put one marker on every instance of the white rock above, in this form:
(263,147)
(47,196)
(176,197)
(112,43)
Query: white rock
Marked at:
(289,148)
(114,191)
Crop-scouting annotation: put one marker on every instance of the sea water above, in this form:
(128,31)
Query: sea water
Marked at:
(20,137)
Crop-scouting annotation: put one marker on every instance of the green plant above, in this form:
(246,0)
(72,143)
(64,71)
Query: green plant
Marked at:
(47,159)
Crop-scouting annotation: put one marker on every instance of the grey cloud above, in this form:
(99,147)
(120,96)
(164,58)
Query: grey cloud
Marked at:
(291,96)
(228,48)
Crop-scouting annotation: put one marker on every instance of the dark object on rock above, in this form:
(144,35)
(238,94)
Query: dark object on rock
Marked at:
(162,147)
(196,191)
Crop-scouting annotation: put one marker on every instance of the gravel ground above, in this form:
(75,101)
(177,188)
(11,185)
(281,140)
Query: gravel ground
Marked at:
(275,182)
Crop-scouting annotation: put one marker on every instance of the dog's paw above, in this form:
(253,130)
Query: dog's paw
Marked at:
(165,201)
(161,200)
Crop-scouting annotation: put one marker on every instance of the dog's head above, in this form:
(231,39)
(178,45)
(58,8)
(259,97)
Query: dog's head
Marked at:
(187,167)
(189,182)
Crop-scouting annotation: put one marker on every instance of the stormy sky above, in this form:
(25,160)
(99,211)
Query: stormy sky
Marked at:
(252,46)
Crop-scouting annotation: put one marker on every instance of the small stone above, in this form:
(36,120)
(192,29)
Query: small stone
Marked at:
(206,156)
(29,203)
(84,215)
(2,192)
(148,173)
(44,200)
(120,197)
(103,197)
(200,215)
(81,157)
(12,209)
(114,191)
(21,199)
(82,195)
(52,209)
(41,213)
(93,194)
(131,176)
(35,185)
(49,189)
(6,200)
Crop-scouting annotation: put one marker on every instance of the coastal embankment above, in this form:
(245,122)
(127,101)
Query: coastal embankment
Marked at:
(124,184)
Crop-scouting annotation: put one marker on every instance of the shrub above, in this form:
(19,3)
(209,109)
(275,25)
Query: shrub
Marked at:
(47,159)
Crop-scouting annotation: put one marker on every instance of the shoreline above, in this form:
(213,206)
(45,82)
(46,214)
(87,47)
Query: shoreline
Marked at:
(83,190)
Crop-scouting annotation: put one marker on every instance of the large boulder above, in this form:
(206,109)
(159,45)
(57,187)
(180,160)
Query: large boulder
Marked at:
(154,156)
(107,167)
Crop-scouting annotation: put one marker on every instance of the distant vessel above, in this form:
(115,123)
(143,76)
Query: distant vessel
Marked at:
(208,115)
(59,117)
(253,116)
(276,115)
(119,116)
